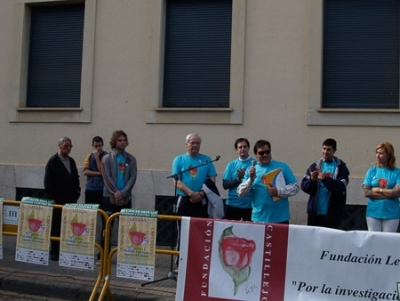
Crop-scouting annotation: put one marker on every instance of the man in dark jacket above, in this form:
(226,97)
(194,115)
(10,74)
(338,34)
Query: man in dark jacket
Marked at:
(326,182)
(61,184)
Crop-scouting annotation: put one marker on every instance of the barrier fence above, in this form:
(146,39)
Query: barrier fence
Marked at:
(103,279)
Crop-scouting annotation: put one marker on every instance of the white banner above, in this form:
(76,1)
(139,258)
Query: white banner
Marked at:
(226,260)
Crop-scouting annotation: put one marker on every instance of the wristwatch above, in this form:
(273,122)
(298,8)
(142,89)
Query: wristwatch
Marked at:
(381,190)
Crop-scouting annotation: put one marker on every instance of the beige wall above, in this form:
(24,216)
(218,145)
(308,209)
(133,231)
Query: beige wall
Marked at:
(276,84)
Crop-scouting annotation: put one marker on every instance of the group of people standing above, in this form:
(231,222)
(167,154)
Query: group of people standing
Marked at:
(110,179)
(259,187)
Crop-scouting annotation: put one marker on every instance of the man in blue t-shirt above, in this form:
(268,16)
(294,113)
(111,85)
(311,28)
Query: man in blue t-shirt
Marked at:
(326,182)
(270,183)
(199,168)
(238,208)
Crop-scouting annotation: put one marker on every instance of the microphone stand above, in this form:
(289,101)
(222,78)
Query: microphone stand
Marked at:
(172,275)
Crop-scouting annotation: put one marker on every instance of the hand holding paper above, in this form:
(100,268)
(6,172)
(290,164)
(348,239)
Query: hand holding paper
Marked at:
(272,180)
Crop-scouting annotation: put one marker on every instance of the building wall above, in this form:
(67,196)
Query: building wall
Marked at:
(278,81)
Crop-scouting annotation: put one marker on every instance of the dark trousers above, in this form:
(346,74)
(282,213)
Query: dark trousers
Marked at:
(56,230)
(321,221)
(93,196)
(109,209)
(186,208)
(237,214)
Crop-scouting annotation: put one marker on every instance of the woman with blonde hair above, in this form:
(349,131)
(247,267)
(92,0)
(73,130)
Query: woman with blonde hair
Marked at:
(382,188)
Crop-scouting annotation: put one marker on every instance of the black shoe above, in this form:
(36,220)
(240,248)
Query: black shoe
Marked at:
(54,256)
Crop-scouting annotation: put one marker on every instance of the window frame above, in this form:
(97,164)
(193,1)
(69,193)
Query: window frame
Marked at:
(155,113)
(18,111)
(316,115)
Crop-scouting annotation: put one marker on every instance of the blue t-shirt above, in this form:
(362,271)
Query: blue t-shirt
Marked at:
(383,178)
(265,209)
(230,174)
(328,169)
(120,172)
(194,178)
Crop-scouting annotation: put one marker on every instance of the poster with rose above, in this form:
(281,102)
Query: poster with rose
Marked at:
(227,260)
(1,228)
(33,237)
(137,233)
(78,236)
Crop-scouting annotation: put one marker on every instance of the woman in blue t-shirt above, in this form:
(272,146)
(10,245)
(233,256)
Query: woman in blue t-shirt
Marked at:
(382,188)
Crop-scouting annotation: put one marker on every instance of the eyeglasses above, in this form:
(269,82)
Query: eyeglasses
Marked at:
(263,153)
(68,145)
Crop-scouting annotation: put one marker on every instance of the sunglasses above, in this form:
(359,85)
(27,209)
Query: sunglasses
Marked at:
(267,152)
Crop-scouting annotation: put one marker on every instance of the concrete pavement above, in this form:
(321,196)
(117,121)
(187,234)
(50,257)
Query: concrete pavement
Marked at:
(53,281)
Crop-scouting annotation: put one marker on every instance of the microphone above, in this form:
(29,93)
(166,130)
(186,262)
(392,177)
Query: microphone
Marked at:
(217,158)
(253,163)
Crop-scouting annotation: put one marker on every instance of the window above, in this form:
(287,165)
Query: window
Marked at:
(361,54)
(197,62)
(354,63)
(53,55)
(197,53)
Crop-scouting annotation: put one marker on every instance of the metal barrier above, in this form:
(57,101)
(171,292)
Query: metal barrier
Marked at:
(108,254)
(12,230)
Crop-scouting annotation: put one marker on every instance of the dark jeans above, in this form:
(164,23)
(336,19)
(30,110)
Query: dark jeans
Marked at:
(56,230)
(321,221)
(93,196)
(109,209)
(186,208)
(237,214)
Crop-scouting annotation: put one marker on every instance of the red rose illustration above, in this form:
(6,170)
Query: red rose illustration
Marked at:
(121,167)
(34,224)
(237,251)
(78,228)
(137,238)
(235,255)
(382,183)
(192,171)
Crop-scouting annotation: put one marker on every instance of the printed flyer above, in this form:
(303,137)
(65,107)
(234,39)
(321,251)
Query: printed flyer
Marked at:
(137,244)
(78,236)
(33,238)
(274,178)
(227,260)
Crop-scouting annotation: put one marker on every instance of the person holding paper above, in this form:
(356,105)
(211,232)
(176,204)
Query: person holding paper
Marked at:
(326,182)
(192,170)
(382,188)
(270,184)
(189,184)
(238,208)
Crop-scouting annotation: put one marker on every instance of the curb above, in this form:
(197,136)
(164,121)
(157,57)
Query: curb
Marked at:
(70,287)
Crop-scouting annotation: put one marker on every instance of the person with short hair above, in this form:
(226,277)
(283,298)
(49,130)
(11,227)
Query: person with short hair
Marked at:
(61,184)
(191,198)
(270,198)
(326,182)
(237,208)
(382,188)
(189,184)
(92,170)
